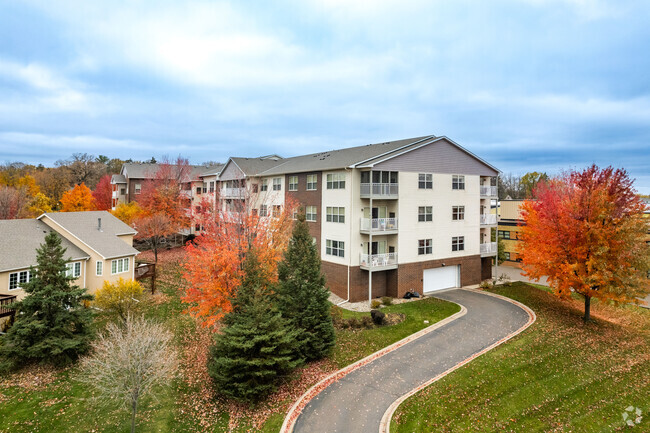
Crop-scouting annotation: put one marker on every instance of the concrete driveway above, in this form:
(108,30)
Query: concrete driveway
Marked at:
(514,273)
(357,402)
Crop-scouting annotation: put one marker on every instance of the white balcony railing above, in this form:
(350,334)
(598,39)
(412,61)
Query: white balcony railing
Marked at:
(378,224)
(489,248)
(114,195)
(232,192)
(379,189)
(488,219)
(488,191)
(378,260)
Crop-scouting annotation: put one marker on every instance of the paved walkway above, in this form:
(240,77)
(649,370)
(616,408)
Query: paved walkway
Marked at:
(357,402)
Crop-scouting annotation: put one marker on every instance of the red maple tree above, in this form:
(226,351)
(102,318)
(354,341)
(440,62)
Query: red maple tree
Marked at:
(585,232)
(103,193)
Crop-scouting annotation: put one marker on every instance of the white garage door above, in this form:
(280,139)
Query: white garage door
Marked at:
(441,278)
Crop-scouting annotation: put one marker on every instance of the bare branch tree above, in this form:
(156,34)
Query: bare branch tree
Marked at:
(128,362)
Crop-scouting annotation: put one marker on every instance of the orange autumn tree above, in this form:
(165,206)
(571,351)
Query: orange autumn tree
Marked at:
(585,232)
(79,198)
(214,266)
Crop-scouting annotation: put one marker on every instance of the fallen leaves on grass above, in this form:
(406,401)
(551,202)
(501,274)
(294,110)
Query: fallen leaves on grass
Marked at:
(30,378)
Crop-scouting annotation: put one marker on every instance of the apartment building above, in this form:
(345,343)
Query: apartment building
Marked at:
(508,228)
(387,218)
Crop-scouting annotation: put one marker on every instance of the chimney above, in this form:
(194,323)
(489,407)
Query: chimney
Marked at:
(99,224)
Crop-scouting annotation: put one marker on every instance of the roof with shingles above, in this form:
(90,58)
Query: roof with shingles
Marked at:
(138,170)
(21,239)
(84,226)
(340,158)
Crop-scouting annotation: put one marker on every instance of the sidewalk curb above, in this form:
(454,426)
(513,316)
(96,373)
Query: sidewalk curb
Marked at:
(292,416)
(384,425)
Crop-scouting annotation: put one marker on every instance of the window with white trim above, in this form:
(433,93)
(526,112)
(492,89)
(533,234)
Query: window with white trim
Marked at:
(336,181)
(335,214)
(457,181)
(277,183)
(310,213)
(334,248)
(458,213)
(293,183)
(458,243)
(425,246)
(263,210)
(312,182)
(425,213)
(73,269)
(211,186)
(17,279)
(425,181)
(99,268)
(265,185)
(138,188)
(119,265)
(276,210)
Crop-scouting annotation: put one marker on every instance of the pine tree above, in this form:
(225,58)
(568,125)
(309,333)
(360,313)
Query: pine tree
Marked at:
(257,347)
(302,296)
(51,324)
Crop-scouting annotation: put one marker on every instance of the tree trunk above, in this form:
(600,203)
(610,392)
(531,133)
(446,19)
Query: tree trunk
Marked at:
(587,308)
(134,408)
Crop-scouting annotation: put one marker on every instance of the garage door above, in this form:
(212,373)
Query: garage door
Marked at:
(441,278)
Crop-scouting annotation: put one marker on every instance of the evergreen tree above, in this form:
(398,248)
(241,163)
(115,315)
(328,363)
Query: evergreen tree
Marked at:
(302,296)
(51,324)
(256,347)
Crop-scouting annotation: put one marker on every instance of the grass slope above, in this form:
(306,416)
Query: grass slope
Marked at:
(559,375)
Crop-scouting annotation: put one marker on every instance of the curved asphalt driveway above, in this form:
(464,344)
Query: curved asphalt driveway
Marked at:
(357,402)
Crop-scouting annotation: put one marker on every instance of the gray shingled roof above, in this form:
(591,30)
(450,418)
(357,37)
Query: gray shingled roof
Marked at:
(212,170)
(21,238)
(137,170)
(255,166)
(118,178)
(84,225)
(339,158)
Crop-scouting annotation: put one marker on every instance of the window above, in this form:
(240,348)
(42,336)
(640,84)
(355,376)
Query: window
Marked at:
(265,185)
(312,181)
(457,213)
(17,279)
(293,183)
(335,214)
(425,246)
(119,265)
(294,215)
(254,187)
(425,181)
(334,248)
(99,268)
(457,181)
(205,189)
(263,211)
(336,181)
(507,255)
(123,191)
(504,234)
(73,269)
(276,210)
(211,186)
(425,213)
(310,213)
(458,243)
(138,188)
(277,183)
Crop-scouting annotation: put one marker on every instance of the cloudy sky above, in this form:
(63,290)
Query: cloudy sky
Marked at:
(528,85)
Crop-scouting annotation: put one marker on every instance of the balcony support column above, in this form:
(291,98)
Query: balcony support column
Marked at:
(370,249)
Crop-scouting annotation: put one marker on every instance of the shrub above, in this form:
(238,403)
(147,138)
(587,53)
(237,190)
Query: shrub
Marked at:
(387,300)
(120,298)
(366,322)
(504,279)
(337,315)
(377,317)
(375,303)
(486,284)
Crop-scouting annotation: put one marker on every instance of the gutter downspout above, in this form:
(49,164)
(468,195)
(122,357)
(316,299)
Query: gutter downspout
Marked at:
(350,219)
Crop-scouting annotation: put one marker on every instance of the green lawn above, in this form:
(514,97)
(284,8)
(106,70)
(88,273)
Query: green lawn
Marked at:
(558,375)
(28,403)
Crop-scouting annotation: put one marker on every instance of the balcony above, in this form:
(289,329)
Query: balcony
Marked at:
(379,190)
(378,262)
(380,226)
(488,249)
(488,219)
(488,191)
(5,305)
(233,192)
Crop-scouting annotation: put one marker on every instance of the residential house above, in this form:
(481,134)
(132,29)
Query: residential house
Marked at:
(508,229)
(387,218)
(98,248)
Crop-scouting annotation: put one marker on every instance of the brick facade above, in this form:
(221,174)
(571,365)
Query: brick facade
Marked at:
(309,198)
(395,282)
